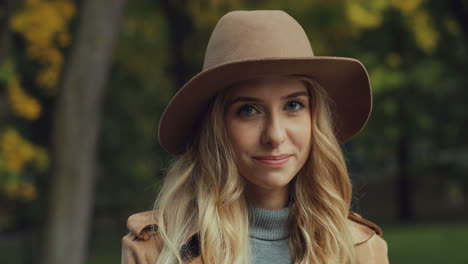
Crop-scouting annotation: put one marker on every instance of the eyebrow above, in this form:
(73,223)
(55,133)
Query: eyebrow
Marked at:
(254,99)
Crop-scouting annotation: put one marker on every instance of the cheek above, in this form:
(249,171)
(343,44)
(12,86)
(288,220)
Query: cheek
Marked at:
(242,136)
(301,134)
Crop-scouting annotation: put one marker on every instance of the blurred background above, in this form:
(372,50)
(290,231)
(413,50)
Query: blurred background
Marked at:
(83,83)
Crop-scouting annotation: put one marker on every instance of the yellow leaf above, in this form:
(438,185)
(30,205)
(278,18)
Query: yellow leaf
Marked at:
(362,17)
(407,6)
(22,103)
(425,35)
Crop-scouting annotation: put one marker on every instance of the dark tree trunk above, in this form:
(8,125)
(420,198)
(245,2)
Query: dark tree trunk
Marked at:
(403,181)
(403,187)
(75,131)
(405,211)
(179,27)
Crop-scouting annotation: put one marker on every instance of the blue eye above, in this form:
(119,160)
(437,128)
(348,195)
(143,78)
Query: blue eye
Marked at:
(294,105)
(246,110)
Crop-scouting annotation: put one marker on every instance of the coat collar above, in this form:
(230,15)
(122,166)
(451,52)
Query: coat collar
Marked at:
(143,225)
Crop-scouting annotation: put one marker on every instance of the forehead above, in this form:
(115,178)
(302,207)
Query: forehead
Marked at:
(266,87)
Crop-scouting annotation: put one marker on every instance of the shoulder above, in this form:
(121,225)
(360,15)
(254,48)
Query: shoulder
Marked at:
(368,240)
(141,245)
(143,242)
(362,229)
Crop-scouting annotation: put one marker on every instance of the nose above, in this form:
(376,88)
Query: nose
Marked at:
(274,133)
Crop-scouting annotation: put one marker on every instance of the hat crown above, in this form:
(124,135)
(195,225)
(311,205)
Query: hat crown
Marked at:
(245,35)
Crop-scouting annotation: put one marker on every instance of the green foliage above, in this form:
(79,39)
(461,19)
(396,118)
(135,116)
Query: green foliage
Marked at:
(135,97)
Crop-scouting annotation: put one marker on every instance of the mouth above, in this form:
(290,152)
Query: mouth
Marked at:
(273,161)
(273,157)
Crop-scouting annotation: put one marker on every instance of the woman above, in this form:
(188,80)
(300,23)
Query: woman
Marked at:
(259,176)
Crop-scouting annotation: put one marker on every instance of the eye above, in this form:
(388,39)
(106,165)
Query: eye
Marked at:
(294,106)
(246,110)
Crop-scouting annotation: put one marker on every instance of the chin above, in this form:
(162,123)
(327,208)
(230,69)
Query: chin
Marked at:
(274,184)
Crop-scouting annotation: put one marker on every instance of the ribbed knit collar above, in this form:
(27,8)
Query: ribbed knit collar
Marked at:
(267,224)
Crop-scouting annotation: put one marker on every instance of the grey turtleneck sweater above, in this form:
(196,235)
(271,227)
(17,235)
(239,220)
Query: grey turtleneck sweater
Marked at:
(269,236)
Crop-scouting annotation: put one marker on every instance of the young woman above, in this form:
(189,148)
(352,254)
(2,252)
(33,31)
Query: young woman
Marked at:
(258,174)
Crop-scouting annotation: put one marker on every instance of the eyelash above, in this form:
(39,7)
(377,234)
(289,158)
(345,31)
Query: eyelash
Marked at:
(239,112)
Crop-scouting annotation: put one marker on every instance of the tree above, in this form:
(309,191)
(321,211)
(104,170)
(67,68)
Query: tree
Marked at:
(75,132)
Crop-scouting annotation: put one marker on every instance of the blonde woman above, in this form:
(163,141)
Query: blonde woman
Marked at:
(258,174)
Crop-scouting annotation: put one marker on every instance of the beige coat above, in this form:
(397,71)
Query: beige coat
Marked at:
(141,245)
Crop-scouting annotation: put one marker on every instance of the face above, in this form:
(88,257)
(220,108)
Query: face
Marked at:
(268,123)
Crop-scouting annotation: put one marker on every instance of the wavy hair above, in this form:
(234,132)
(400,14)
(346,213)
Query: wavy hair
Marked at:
(203,190)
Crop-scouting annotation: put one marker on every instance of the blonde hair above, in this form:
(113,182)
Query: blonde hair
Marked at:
(203,190)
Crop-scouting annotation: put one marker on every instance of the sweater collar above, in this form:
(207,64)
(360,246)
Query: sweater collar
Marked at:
(268,224)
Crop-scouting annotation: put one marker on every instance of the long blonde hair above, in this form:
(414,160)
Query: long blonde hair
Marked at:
(203,190)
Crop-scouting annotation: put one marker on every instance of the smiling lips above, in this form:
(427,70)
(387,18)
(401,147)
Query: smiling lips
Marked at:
(273,161)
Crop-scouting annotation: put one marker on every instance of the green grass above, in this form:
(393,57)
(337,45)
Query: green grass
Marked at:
(434,243)
(411,244)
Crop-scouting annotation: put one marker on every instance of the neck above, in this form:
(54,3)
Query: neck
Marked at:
(273,199)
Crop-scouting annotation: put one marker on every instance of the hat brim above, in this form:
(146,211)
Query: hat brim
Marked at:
(345,80)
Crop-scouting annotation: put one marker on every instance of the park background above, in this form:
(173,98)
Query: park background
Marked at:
(83,83)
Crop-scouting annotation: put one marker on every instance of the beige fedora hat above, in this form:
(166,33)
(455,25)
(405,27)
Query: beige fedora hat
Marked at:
(250,44)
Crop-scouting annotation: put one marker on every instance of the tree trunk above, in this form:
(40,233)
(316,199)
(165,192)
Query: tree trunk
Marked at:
(180,25)
(405,211)
(75,131)
(403,187)
(403,181)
